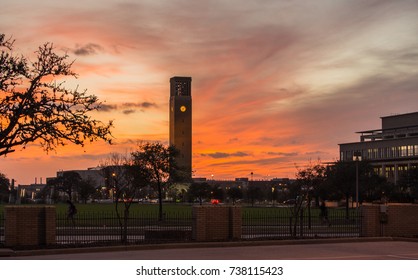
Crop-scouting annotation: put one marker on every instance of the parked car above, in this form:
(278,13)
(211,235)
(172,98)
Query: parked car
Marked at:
(290,202)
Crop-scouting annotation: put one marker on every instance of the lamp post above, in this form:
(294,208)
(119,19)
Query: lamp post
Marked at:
(357,158)
(114,186)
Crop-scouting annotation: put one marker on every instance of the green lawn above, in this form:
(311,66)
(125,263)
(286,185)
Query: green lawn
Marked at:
(110,207)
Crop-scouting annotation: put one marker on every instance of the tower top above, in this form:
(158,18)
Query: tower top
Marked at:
(180,86)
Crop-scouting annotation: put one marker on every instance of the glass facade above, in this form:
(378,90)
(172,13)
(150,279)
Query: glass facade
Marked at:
(383,153)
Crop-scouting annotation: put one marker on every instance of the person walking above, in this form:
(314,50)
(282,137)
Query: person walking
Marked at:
(324,214)
(72,210)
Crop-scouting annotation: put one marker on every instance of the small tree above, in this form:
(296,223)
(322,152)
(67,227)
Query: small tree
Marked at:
(157,163)
(311,179)
(86,189)
(254,194)
(341,179)
(199,191)
(34,106)
(122,179)
(69,182)
(408,183)
(234,193)
(4,188)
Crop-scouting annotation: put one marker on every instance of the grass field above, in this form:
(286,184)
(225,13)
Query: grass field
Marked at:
(110,207)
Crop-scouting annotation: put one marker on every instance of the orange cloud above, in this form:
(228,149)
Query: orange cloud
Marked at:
(274,83)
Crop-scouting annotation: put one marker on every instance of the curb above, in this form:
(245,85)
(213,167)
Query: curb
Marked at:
(6,253)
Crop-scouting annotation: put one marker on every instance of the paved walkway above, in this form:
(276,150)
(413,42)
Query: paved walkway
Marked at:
(382,250)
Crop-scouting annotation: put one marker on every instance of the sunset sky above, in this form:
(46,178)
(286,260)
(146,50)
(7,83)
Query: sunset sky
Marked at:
(274,83)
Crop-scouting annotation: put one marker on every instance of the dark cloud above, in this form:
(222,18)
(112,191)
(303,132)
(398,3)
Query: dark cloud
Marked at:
(233,140)
(316,153)
(128,111)
(142,105)
(127,108)
(226,155)
(107,107)
(282,154)
(88,49)
(256,162)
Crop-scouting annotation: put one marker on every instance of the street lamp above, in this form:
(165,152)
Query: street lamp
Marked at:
(357,158)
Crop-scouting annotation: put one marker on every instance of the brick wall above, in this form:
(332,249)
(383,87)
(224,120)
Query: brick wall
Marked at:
(393,219)
(29,225)
(216,223)
(370,222)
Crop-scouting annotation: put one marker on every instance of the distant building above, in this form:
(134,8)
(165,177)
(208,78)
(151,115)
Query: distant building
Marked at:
(245,184)
(29,192)
(391,150)
(95,174)
(181,121)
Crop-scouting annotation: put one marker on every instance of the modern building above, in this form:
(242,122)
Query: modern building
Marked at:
(95,174)
(391,150)
(181,121)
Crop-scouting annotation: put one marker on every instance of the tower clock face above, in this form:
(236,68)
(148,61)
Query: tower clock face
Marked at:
(183,109)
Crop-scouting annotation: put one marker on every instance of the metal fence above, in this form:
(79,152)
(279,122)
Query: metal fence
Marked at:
(286,225)
(107,228)
(1,229)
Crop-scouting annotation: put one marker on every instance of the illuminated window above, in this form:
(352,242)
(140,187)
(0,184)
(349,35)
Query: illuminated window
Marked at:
(390,171)
(403,151)
(410,150)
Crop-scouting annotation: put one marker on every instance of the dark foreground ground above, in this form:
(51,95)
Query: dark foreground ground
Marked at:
(379,249)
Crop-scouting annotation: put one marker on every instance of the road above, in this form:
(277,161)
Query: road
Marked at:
(383,250)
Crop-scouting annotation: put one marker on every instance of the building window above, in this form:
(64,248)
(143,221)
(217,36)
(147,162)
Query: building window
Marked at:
(404,151)
(393,152)
(402,170)
(381,152)
(378,170)
(390,171)
(375,153)
(410,150)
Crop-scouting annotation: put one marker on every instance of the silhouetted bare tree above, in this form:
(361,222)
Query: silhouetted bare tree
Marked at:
(34,106)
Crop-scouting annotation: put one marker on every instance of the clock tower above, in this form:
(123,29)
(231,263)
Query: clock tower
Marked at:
(181,120)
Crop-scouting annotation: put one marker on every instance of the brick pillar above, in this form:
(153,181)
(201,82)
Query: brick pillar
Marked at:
(402,220)
(370,226)
(29,225)
(235,224)
(216,223)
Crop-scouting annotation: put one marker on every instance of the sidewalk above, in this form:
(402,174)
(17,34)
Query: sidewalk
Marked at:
(363,248)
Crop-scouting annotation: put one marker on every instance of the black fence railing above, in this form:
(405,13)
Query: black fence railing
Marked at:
(107,228)
(287,225)
(1,229)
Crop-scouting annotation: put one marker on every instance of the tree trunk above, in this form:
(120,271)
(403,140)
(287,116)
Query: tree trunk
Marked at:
(125,225)
(347,198)
(160,202)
